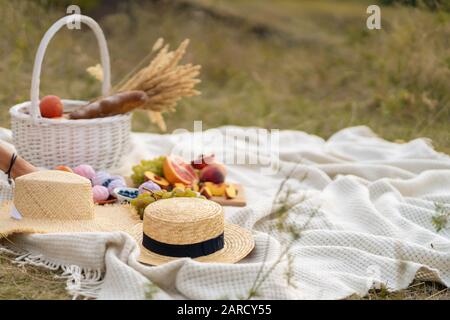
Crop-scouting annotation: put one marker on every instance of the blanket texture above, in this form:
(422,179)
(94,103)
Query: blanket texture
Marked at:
(340,217)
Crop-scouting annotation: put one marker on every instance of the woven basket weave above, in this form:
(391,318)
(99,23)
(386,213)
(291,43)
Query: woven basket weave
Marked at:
(44,142)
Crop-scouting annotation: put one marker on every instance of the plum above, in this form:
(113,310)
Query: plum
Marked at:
(214,173)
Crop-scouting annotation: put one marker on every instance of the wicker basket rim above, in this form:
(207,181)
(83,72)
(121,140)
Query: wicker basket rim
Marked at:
(15,111)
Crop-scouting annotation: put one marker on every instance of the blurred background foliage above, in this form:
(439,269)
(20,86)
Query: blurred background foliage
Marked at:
(430,4)
(289,64)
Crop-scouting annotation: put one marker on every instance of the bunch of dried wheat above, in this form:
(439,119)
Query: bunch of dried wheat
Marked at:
(164,81)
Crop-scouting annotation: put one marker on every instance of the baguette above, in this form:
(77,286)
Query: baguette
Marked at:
(118,103)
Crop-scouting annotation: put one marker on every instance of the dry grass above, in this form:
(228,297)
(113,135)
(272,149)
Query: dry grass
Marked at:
(37,283)
(418,290)
(29,282)
(308,65)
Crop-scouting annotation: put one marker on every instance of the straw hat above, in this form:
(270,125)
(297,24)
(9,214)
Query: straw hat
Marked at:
(53,201)
(191,227)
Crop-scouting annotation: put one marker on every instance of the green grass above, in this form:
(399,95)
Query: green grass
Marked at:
(317,70)
(304,65)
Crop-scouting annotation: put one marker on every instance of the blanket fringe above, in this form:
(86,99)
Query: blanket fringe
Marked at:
(81,283)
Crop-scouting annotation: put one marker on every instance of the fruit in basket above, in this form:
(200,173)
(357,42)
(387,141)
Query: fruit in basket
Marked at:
(176,170)
(85,170)
(148,186)
(230,192)
(150,176)
(100,193)
(154,165)
(51,107)
(64,168)
(213,173)
(202,161)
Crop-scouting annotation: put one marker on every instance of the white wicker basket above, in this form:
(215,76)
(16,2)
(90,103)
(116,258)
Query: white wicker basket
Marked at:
(44,142)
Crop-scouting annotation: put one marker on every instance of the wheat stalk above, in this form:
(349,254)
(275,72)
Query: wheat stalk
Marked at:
(164,81)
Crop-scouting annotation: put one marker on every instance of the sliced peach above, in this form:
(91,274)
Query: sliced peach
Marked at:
(163,183)
(194,187)
(205,191)
(230,192)
(218,189)
(179,185)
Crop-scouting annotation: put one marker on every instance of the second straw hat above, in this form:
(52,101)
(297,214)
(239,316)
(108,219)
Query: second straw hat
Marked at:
(191,227)
(51,201)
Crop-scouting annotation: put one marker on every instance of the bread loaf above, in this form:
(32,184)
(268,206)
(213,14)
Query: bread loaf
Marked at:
(118,103)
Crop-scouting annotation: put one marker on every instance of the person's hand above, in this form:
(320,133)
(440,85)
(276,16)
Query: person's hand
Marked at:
(20,166)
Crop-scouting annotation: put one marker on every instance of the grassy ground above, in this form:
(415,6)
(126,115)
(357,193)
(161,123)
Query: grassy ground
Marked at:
(29,282)
(304,65)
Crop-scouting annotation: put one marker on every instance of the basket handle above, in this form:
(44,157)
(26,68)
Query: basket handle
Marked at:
(104,56)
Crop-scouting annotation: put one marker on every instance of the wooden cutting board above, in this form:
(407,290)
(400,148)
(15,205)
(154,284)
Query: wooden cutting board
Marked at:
(239,201)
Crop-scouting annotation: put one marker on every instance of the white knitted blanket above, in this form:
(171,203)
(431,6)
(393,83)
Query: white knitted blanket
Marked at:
(355,212)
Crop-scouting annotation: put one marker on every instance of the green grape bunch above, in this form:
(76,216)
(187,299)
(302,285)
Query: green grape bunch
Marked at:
(154,165)
(144,199)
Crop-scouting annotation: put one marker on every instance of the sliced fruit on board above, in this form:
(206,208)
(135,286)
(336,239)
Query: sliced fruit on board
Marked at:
(216,189)
(205,191)
(238,201)
(195,187)
(230,192)
(176,170)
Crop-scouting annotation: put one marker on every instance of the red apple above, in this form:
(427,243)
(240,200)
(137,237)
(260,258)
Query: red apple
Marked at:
(51,107)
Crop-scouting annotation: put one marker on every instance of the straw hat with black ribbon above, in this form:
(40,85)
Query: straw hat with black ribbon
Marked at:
(51,201)
(191,227)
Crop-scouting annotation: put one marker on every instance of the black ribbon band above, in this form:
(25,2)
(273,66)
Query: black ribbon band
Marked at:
(193,250)
(11,165)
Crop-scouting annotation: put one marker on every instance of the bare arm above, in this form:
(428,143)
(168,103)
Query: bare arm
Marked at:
(20,167)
